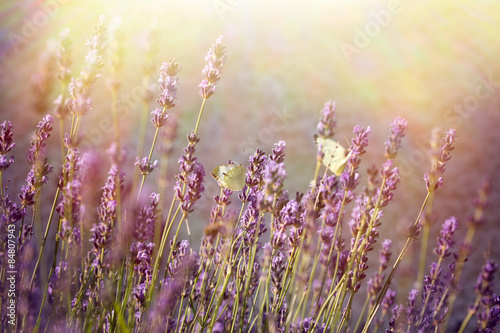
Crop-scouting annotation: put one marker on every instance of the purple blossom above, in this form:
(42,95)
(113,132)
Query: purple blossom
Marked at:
(37,176)
(141,254)
(222,201)
(102,232)
(194,188)
(433,178)
(38,142)
(207,89)
(445,241)
(278,152)
(278,266)
(81,88)
(159,117)
(168,90)
(211,73)
(146,219)
(488,308)
(5,162)
(393,143)
(385,254)
(256,164)
(145,165)
(6,144)
(327,121)
(10,212)
(391,176)
(358,145)
(273,177)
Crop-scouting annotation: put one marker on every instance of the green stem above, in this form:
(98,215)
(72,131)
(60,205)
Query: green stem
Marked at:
(199,115)
(408,243)
(42,247)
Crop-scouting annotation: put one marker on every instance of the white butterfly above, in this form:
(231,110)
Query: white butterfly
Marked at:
(335,157)
(230,176)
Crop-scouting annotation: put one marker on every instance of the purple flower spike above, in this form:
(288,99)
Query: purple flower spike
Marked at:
(159,117)
(44,129)
(213,67)
(5,162)
(194,188)
(433,178)
(328,121)
(278,153)
(146,219)
(393,143)
(168,85)
(145,165)
(358,145)
(6,143)
(445,241)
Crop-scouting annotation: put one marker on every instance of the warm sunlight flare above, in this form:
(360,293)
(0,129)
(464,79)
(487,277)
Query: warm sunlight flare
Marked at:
(353,148)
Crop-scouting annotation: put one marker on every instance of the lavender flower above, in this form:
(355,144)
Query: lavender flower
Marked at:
(391,176)
(168,87)
(191,175)
(10,212)
(194,188)
(145,165)
(350,179)
(273,177)
(6,144)
(488,308)
(433,178)
(159,117)
(211,73)
(81,88)
(445,241)
(141,254)
(146,219)
(393,143)
(102,231)
(327,122)
(38,142)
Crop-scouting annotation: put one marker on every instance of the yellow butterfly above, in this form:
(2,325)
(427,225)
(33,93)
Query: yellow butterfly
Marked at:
(335,157)
(230,176)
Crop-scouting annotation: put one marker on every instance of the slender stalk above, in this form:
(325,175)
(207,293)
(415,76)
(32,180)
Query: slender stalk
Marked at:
(408,243)
(199,115)
(42,247)
(426,230)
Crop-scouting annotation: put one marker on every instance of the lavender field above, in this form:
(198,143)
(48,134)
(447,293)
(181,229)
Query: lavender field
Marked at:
(233,166)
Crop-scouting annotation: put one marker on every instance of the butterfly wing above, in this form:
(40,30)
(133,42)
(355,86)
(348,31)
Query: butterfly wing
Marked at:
(334,157)
(235,178)
(230,176)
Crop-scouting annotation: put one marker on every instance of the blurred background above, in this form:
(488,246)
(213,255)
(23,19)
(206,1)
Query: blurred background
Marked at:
(434,63)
